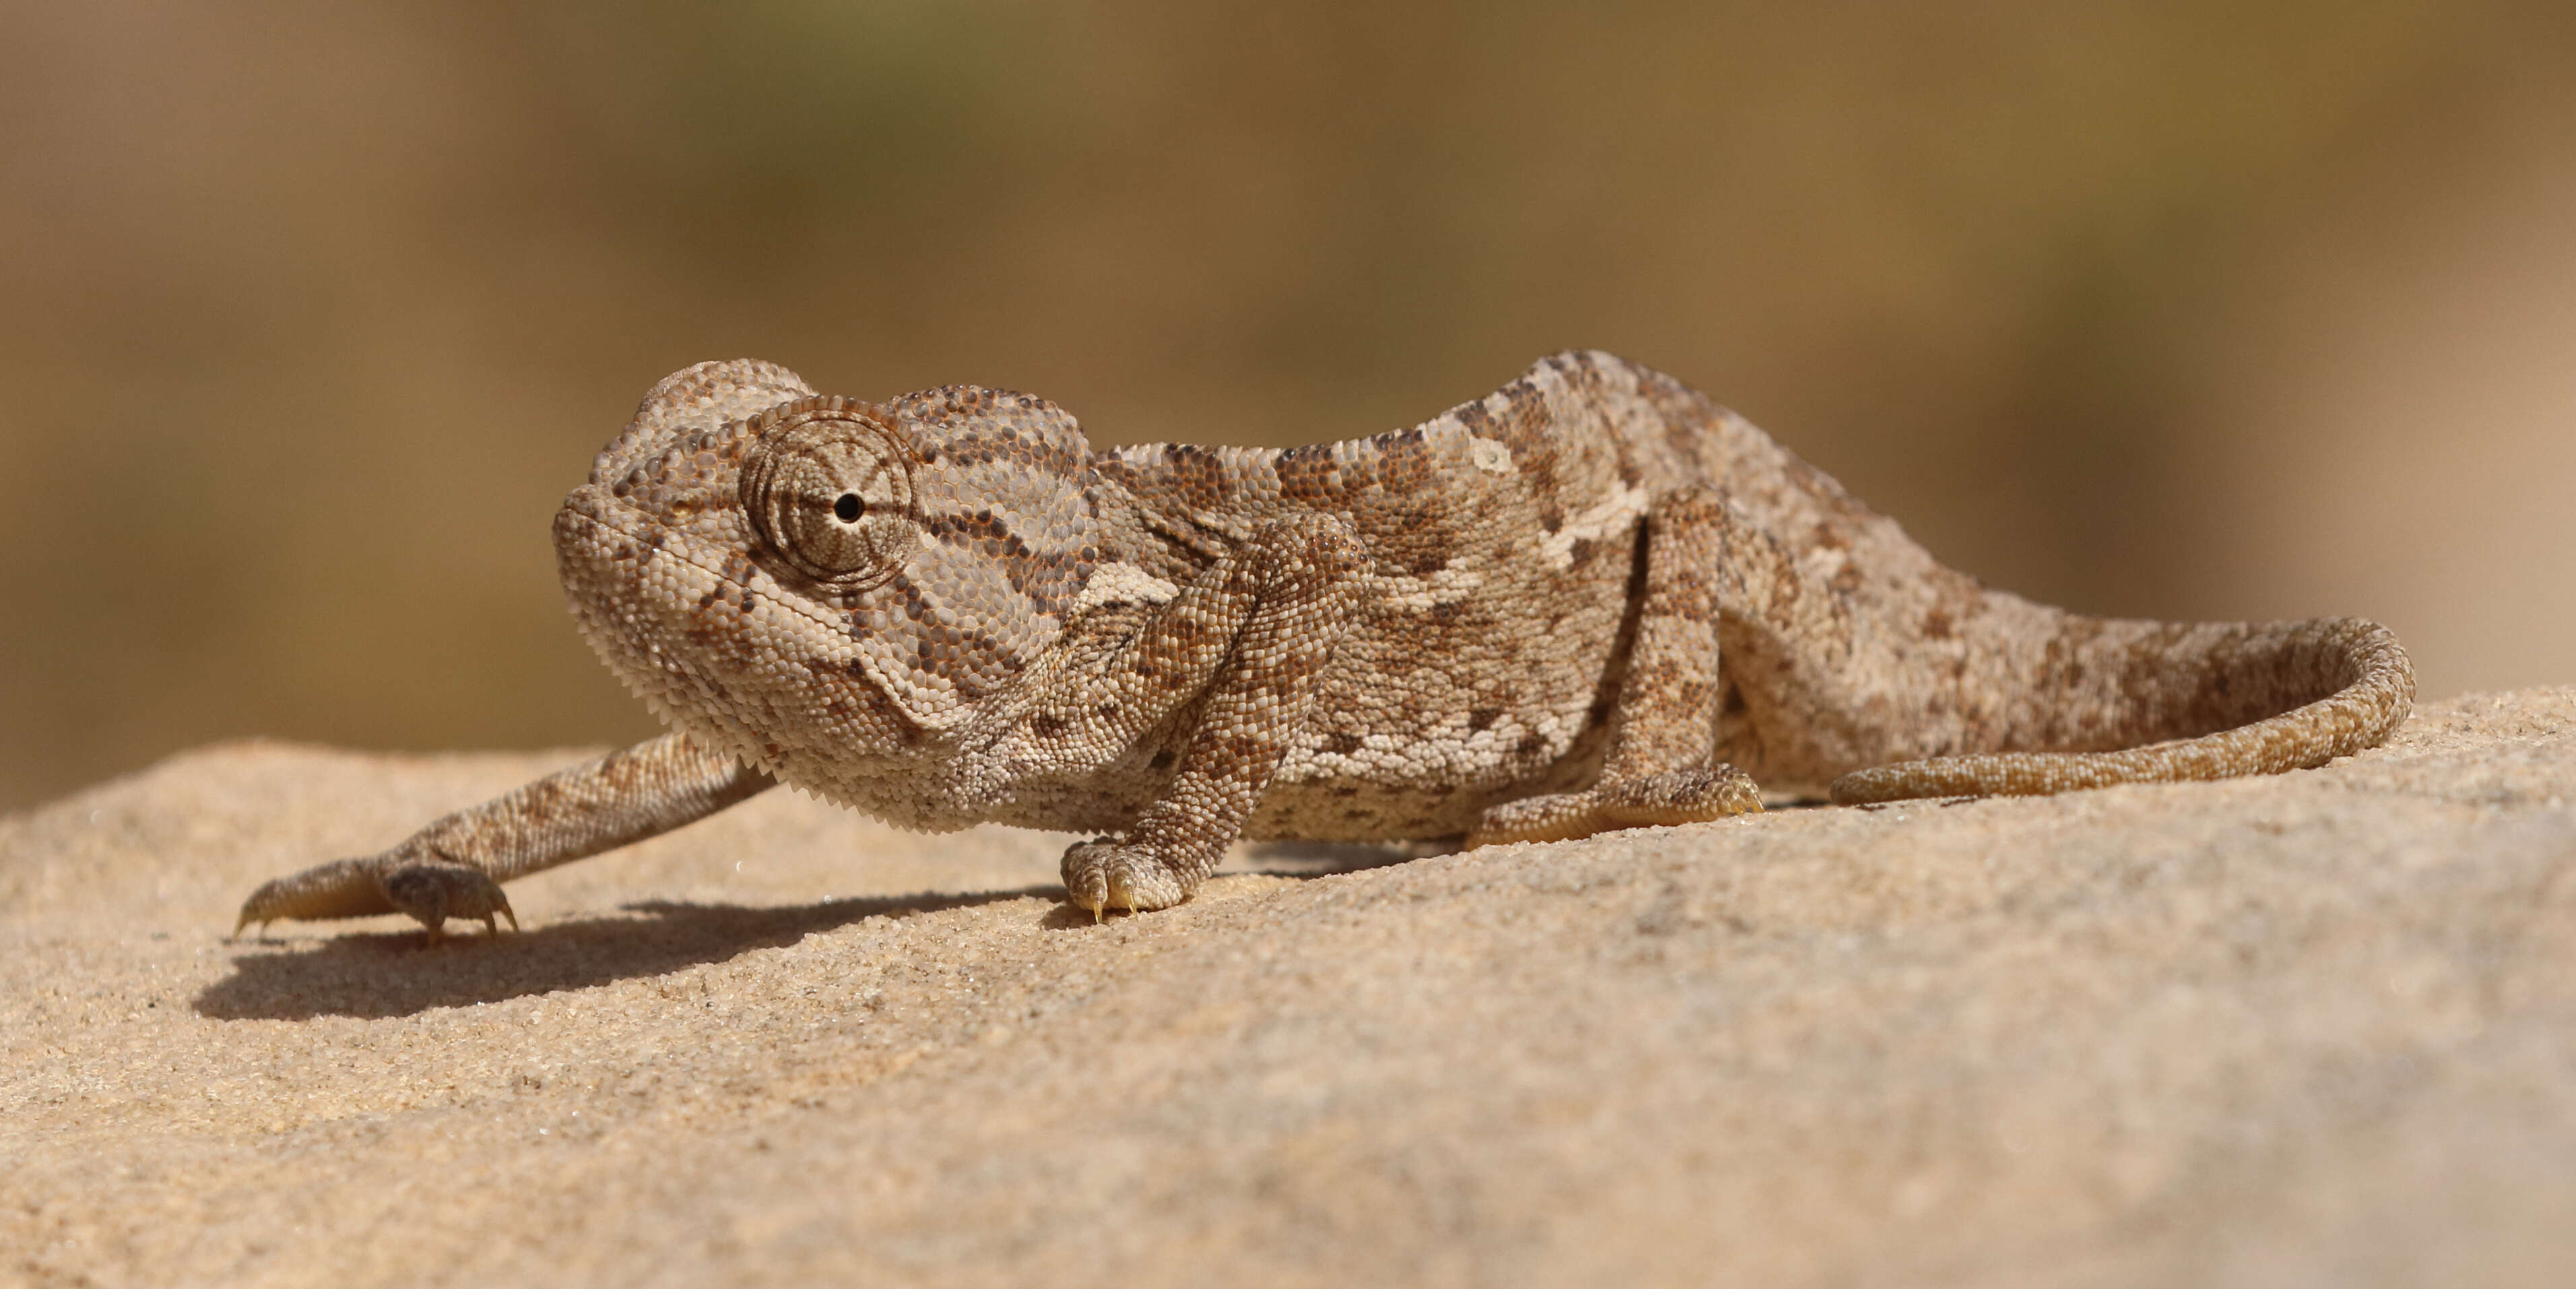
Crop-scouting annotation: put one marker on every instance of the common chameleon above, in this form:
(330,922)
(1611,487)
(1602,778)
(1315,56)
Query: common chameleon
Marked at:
(1591,600)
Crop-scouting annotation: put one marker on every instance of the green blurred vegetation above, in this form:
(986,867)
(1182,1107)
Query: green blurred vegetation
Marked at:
(317,310)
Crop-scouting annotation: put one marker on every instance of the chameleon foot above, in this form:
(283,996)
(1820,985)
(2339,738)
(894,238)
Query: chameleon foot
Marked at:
(1101,875)
(1677,797)
(434,892)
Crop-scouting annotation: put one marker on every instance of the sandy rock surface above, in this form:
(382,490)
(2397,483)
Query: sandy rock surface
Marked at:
(2314,1029)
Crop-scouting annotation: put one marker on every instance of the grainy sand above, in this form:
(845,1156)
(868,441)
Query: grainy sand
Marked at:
(2315,1029)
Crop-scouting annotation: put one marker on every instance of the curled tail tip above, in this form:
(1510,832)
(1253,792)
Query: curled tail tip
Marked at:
(2353,686)
(2379,663)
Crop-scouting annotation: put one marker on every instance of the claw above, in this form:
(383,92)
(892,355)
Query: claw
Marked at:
(1100,875)
(434,892)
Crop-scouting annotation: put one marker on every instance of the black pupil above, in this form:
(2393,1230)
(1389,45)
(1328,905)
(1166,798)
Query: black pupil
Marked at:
(849,508)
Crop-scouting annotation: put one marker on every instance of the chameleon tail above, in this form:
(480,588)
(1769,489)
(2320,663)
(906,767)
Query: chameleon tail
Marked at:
(2173,702)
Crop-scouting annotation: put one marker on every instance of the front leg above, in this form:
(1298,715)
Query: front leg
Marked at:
(1252,635)
(454,867)
(1661,766)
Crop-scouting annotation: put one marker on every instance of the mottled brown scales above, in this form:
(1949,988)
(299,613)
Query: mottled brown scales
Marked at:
(1592,600)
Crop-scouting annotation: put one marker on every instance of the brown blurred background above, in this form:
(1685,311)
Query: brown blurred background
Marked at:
(2224,310)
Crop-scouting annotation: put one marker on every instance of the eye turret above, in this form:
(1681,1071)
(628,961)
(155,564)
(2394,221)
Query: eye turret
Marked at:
(828,486)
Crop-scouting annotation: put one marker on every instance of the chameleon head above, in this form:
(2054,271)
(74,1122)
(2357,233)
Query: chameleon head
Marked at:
(822,585)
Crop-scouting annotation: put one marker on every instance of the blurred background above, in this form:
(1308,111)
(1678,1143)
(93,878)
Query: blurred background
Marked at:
(2184,309)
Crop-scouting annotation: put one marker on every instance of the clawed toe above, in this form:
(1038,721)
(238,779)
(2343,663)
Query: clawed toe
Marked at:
(433,892)
(1102,875)
(430,891)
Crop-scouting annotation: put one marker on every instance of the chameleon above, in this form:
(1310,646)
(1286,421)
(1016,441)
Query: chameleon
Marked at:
(1592,600)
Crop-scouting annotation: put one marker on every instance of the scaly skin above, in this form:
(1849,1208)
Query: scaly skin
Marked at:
(1591,600)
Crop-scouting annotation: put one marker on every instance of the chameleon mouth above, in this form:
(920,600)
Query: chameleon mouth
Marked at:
(602,541)
(663,610)
(608,573)
(718,650)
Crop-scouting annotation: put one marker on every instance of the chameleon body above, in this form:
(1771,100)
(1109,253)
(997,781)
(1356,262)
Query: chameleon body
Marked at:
(1588,601)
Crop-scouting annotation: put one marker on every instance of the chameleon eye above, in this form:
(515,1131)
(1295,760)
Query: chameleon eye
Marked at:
(828,486)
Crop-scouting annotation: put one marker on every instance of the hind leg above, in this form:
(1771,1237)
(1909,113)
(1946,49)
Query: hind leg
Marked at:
(1661,766)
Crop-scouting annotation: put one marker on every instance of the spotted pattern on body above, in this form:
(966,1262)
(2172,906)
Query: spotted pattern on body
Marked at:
(1590,600)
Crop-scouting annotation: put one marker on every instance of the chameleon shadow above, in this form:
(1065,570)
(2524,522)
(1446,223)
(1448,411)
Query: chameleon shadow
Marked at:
(1329,858)
(379,974)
